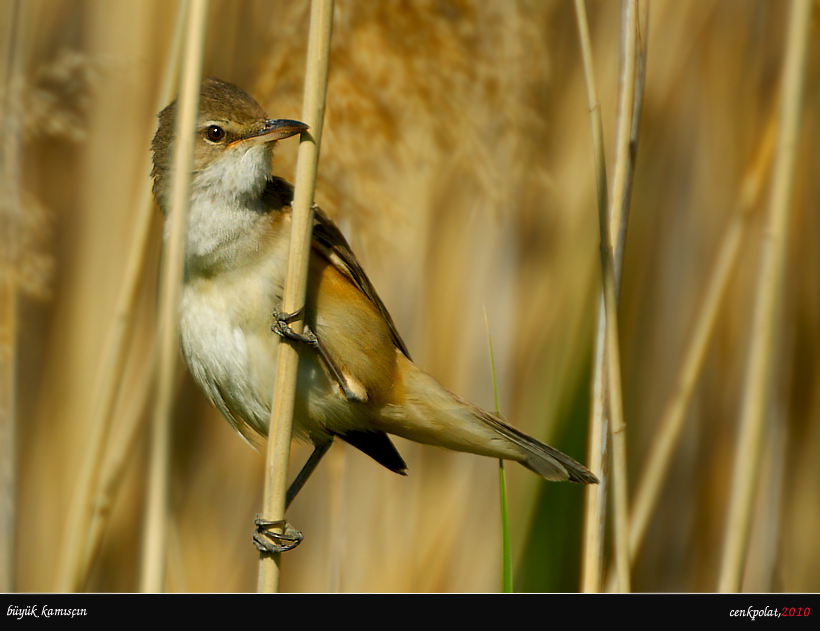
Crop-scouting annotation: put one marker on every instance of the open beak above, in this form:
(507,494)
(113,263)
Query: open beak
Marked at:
(275,130)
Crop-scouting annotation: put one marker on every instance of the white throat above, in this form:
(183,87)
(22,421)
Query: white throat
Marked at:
(227,215)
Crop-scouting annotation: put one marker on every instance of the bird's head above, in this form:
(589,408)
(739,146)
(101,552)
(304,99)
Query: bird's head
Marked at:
(233,147)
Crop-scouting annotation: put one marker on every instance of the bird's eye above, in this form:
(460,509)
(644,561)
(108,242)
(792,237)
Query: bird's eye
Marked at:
(215,133)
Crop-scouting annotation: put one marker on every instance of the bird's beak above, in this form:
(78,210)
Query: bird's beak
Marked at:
(274,130)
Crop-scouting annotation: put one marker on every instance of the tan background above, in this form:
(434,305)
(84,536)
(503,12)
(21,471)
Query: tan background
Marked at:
(457,160)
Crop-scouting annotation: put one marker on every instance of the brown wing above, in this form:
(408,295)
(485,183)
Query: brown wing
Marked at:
(331,244)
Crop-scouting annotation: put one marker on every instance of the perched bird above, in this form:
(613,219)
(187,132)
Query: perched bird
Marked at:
(356,379)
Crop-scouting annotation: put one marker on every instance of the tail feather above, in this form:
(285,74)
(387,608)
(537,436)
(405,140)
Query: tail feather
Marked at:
(544,460)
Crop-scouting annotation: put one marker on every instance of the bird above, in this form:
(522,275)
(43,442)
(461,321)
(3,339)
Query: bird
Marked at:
(356,379)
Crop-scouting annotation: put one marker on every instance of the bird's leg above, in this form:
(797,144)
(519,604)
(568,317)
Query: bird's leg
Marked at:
(264,537)
(281,327)
(319,450)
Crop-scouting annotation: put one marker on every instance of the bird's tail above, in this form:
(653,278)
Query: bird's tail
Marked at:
(431,414)
(539,457)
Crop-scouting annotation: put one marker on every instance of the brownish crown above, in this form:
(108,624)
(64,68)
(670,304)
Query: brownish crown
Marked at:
(218,101)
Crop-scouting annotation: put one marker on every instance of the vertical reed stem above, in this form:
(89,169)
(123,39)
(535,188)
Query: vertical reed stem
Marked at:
(85,522)
(152,577)
(595,494)
(284,394)
(10,217)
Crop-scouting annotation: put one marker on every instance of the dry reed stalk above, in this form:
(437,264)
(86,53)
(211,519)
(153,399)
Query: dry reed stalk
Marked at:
(612,217)
(616,216)
(10,221)
(281,421)
(152,571)
(88,516)
(628,146)
(669,429)
(595,494)
(766,317)
(119,450)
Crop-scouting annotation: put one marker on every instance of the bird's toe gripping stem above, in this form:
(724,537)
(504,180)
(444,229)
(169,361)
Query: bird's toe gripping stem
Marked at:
(267,539)
(281,326)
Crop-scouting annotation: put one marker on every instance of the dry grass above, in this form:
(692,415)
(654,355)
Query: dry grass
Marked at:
(472,113)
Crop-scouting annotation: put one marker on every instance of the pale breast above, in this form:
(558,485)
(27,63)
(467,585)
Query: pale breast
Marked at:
(227,342)
(223,340)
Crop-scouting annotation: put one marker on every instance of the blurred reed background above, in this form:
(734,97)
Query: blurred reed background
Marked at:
(457,160)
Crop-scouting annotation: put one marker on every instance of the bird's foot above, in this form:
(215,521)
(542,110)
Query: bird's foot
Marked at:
(281,326)
(351,390)
(268,540)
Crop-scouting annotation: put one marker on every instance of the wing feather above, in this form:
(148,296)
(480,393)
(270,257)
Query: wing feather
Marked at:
(330,243)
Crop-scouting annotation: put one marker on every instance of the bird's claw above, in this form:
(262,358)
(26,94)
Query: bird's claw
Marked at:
(281,326)
(268,540)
